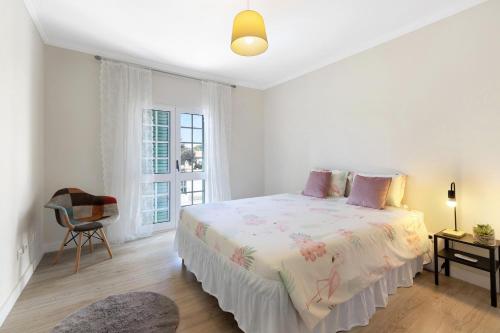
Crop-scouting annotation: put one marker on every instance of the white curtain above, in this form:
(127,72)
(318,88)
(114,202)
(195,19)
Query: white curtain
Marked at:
(217,111)
(126,91)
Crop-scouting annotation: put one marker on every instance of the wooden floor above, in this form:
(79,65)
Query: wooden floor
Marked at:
(151,264)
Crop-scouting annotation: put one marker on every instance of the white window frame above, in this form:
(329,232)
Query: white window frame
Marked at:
(195,175)
(168,177)
(174,177)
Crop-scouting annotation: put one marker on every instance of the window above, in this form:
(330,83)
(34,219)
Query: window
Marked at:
(155,142)
(192,159)
(191,138)
(155,190)
(173,164)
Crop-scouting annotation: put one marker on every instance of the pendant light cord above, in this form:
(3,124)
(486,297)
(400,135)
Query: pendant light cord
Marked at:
(248,4)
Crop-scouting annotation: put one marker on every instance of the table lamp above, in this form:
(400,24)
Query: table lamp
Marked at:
(452,202)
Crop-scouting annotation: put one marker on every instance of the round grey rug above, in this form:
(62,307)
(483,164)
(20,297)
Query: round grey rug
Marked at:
(144,312)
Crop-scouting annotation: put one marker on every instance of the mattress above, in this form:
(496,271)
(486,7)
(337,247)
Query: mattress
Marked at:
(324,251)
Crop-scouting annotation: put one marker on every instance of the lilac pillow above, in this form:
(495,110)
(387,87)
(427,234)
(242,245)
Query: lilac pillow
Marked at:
(318,184)
(369,191)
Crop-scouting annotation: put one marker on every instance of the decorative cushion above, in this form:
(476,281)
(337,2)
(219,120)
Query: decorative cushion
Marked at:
(338,183)
(396,190)
(318,184)
(369,192)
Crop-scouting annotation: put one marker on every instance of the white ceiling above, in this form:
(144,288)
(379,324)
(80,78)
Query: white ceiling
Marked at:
(192,36)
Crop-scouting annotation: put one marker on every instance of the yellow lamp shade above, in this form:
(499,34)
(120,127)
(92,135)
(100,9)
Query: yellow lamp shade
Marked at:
(249,34)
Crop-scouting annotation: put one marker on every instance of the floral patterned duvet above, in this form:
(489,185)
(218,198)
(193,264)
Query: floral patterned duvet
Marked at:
(323,250)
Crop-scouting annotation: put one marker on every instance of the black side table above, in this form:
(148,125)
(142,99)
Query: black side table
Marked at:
(488,264)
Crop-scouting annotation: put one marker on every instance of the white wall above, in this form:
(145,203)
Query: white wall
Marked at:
(21,147)
(247,139)
(72,122)
(427,104)
(247,149)
(73,125)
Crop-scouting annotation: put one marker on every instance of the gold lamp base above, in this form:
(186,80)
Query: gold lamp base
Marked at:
(454,233)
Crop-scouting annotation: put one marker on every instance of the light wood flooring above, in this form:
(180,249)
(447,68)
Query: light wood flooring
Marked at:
(151,264)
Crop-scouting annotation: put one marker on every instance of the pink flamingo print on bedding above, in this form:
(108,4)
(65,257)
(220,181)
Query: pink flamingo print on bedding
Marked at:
(331,282)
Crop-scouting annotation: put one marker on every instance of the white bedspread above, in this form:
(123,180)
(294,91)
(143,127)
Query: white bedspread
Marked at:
(323,250)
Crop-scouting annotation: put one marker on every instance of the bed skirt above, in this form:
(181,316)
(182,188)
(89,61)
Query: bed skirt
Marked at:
(262,305)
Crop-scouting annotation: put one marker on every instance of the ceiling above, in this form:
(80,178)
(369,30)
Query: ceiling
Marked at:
(192,36)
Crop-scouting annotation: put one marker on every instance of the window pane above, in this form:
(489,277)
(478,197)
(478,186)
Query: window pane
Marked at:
(186,120)
(161,202)
(155,203)
(161,118)
(198,157)
(148,203)
(162,187)
(197,121)
(147,166)
(198,185)
(161,149)
(162,133)
(147,117)
(197,198)
(148,217)
(147,188)
(186,199)
(162,216)
(162,166)
(147,133)
(186,157)
(192,192)
(198,135)
(186,135)
(148,149)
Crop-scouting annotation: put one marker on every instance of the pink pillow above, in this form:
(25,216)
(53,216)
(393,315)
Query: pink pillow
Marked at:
(318,184)
(369,191)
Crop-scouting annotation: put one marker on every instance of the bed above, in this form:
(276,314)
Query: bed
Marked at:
(298,264)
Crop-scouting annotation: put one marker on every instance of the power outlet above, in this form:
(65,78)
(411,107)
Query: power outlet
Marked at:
(20,252)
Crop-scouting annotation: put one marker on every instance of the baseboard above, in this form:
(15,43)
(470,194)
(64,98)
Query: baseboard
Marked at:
(21,284)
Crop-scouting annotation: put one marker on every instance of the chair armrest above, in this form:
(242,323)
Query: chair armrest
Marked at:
(54,206)
(62,211)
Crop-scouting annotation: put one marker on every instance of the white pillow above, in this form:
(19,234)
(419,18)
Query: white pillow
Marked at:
(339,183)
(396,190)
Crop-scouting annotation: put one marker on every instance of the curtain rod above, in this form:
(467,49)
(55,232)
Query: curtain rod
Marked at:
(97,57)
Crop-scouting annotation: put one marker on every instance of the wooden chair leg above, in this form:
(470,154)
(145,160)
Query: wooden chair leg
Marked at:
(78,251)
(91,247)
(61,249)
(105,240)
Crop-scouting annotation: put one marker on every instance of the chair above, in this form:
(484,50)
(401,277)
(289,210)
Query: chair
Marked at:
(84,215)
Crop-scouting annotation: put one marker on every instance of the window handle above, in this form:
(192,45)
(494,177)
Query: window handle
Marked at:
(177,165)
